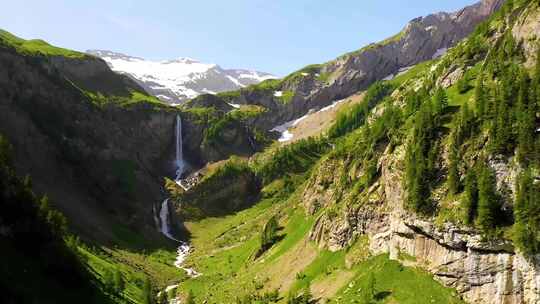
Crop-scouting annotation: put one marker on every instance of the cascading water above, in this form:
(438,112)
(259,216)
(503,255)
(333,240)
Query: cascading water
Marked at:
(183,248)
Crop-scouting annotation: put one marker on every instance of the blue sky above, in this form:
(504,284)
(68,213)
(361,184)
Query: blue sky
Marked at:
(276,36)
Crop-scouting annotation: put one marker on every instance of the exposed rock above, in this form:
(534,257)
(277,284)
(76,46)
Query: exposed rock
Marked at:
(420,40)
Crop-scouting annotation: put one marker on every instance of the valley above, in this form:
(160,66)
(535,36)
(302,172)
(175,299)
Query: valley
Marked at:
(404,172)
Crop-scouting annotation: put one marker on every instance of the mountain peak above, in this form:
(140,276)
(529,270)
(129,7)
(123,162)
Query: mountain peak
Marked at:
(176,80)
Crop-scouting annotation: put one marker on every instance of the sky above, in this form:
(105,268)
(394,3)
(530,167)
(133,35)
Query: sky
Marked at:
(275,36)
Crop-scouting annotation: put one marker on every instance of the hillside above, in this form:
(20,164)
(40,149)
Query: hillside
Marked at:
(412,175)
(434,173)
(175,81)
(319,85)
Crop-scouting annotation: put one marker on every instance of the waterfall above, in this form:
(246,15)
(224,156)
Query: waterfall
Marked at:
(179,151)
(164,227)
(164,217)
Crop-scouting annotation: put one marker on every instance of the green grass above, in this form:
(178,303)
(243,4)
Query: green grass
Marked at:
(37,46)
(396,284)
(325,263)
(286,97)
(135,268)
(246,112)
(414,72)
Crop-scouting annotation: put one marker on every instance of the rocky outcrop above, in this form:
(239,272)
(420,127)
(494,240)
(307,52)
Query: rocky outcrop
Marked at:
(482,271)
(98,162)
(317,86)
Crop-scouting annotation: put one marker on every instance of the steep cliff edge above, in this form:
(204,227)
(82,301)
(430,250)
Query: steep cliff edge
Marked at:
(316,86)
(94,140)
(486,264)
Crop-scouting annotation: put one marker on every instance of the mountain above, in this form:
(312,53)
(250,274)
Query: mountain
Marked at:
(425,178)
(430,183)
(174,81)
(319,85)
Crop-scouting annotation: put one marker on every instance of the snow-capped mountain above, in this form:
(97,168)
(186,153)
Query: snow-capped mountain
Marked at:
(174,81)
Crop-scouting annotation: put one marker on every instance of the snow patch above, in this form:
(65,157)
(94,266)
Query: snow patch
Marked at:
(439,53)
(278,94)
(235,81)
(163,97)
(389,77)
(234,105)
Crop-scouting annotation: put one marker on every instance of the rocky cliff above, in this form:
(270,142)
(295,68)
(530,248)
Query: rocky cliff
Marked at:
(483,269)
(317,86)
(94,141)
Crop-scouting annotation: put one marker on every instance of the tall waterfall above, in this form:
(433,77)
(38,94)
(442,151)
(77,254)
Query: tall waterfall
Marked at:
(165,227)
(179,151)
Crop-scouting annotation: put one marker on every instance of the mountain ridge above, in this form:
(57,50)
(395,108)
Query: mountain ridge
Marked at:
(177,80)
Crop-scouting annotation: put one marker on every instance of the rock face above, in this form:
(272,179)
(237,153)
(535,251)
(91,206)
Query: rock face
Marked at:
(175,81)
(487,272)
(317,86)
(96,162)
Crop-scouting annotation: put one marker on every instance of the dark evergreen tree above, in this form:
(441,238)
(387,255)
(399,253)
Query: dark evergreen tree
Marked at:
(526,119)
(419,154)
(527,215)
(108,281)
(147,292)
(489,206)
(440,101)
(480,96)
(119,283)
(470,199)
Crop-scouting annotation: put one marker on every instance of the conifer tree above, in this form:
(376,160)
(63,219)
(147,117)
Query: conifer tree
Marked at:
(525,117)
(108,281)
(480,96)
(147,292)
(488,202)
(440,101)
(527,215)
(119,283)
(453,173)
(470,200)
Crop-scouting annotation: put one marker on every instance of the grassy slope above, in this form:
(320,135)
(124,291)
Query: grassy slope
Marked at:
(37,46)
(224,249)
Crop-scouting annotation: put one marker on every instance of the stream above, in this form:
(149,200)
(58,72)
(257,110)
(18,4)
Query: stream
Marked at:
(184,248)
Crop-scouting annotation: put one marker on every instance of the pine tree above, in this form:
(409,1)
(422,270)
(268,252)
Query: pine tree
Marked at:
(480,96)
(527,215)
(488,202)
(147,292)
(419,158)
(470,200)
(108,281)
(269,233)
(119,283)
(525,117)
(440,101)
(453,173)
(500,132)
